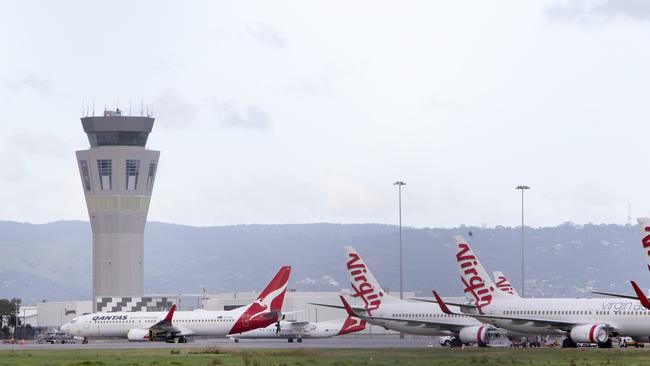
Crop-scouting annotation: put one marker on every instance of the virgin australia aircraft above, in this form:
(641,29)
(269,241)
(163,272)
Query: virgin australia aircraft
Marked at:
(168,326)
(580,320)
(382,309)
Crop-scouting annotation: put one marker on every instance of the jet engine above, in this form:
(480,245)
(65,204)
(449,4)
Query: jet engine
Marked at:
(476,334)
(590,333)
(138,335)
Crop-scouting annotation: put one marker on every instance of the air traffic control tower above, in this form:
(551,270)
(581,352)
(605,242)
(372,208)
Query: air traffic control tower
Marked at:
(117,176)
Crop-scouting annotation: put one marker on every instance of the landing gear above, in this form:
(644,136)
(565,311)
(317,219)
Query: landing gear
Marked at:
(299,340)
(455,342)
(182,340)
(170,340)
(290,340)
(569,343)
(85,341)
(607,344)
(236,340)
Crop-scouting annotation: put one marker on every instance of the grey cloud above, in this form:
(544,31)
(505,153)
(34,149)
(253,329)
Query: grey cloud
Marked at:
(249,117)
(28,82)
(172,110)
(587,10)
(267,35)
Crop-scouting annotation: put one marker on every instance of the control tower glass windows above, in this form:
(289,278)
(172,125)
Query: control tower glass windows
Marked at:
(132,172)
(151,175)
(105,169)
(85,175)
(118,138)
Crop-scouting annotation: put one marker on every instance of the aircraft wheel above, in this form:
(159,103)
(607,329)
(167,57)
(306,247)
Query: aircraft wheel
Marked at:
(455,342)
(299,340)
(568,343)
(446,344)
(607,344)
(236,340)
(182,340)
(290,340)
(85,341)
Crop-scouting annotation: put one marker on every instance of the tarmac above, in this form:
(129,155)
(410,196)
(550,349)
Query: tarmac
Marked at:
(243,343)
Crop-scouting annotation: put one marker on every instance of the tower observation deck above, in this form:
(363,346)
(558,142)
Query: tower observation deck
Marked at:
(117,177)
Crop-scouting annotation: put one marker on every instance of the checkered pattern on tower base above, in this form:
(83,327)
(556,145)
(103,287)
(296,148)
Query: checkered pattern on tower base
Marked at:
(145,303)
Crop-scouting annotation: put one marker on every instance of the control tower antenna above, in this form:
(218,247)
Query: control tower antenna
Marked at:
(93,107)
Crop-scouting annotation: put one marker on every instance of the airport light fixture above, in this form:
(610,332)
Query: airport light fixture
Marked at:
(399,185)
(523,283)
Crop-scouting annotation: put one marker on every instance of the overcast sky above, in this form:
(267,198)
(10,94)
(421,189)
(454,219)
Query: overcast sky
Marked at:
(308,111)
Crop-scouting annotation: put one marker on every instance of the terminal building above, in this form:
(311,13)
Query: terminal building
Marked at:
(117,177)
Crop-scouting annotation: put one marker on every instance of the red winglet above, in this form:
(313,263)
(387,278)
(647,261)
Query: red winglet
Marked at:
(441,303)
(170,315)
(347,307)
(639,294)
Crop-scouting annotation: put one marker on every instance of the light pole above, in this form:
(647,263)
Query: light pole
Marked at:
(523,283)
(399,185)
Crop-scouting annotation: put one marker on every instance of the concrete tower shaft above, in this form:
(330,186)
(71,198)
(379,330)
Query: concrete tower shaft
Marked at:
(117,176)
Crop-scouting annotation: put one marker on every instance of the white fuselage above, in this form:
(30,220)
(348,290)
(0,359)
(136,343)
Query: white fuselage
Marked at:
(198,322)
(419,311)
(625,317)
(326,329)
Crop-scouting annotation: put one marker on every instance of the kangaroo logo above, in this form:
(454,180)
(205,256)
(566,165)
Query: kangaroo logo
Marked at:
(360,285)
(475,285)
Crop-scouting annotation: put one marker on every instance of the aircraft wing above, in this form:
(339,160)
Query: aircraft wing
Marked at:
(615,295)
(459,304)
(166,326)
(412,323)
(536,322)
(356,309)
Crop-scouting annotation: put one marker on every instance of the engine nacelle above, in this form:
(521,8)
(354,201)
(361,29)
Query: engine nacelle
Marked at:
(138,335)
(590,333)
(476,334)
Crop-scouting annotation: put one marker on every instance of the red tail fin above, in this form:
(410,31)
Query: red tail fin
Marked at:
(267,309)
(352,323)
(276,289)
(170,315)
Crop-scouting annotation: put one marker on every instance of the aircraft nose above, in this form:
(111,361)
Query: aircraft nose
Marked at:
(65,328)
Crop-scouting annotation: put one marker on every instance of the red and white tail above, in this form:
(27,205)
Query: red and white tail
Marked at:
(503,284)
(267,309)
(364,285)
(352,323)
(477,285)
(644,223)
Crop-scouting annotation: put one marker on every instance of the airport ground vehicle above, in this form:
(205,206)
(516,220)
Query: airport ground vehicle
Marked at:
(55,337)
(625,342)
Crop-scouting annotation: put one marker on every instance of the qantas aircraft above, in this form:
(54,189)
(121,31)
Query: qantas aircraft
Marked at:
(581,320)
(382,309)
(306,330)
(168,326)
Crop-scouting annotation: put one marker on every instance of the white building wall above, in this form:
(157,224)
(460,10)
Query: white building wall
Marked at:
(56,313)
